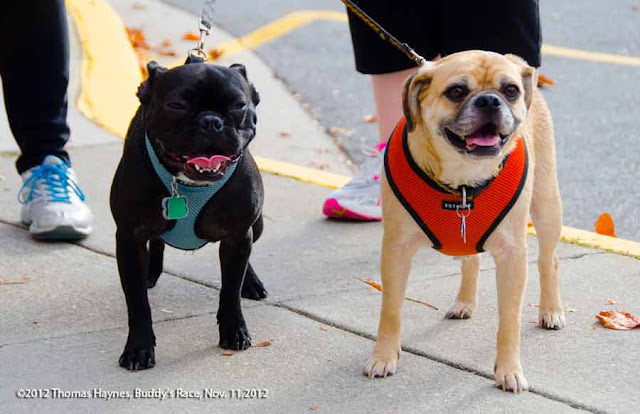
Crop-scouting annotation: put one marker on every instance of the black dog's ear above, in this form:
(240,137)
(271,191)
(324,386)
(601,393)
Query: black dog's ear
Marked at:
(144,90)
(241,69)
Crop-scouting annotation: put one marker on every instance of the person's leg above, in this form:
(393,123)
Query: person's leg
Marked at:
(35,76)
(34,64)
(387,95)
(388,67)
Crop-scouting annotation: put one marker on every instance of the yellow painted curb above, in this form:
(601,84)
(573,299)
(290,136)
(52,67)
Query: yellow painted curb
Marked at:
(308,175)
(110,74)
(589,56)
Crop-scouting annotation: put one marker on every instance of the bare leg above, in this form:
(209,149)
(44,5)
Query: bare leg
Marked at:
(387,94)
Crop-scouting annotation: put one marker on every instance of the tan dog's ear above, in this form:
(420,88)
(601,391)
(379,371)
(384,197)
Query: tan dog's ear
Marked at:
(529,77)
(415,84)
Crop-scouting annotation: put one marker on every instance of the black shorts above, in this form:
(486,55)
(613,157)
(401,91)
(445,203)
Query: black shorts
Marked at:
(444,27)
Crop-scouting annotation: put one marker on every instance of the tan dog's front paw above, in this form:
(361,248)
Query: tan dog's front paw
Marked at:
(509,377)
(551,318)
(461,310)
(381,363)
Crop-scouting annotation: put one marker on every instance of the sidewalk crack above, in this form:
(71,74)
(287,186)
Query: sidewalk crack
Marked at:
(439,359)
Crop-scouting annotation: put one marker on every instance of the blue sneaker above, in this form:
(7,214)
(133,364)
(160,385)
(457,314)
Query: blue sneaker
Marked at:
(52,202)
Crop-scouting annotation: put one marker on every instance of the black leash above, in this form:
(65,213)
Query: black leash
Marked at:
(384,35)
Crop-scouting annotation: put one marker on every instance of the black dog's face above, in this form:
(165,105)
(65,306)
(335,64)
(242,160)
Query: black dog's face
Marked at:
(199,117)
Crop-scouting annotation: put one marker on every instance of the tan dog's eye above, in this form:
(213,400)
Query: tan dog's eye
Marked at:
(512,92)
(457,93)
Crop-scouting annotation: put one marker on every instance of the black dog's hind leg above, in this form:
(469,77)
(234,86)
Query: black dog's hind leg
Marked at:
(234,258)
(156,255)
(252,288)
(133,264)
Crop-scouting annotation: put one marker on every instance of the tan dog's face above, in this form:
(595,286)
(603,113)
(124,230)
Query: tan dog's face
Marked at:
(470,103)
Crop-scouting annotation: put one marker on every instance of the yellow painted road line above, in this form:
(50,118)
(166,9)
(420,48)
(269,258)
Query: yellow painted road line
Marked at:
(588,56)
(110,73)
(308,175)
(110,76)
(274,30)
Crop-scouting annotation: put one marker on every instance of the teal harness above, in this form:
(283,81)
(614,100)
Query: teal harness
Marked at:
(183,234)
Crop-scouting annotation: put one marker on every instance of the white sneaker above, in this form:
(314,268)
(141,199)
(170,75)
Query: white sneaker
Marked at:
(359,199)
(53,203)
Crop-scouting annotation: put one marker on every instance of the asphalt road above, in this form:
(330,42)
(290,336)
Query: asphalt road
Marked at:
(596,106)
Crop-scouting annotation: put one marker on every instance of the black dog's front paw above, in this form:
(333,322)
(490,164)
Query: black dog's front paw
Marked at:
(252,287)
(137,358)
(234,336)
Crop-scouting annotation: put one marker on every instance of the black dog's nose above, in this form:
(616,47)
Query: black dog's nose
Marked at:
(488,101)
(211,122)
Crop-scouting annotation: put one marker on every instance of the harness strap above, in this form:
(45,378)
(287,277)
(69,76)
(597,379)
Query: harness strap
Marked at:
(437,211)
(182,235)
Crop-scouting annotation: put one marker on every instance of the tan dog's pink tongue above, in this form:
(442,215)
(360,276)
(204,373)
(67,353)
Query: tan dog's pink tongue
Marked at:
(482,140)
(209,163)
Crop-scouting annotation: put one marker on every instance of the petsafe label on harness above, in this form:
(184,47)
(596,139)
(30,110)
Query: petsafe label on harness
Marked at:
(456,205)
(174,208)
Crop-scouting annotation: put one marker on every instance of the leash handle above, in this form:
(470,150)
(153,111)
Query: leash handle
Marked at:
(384,35)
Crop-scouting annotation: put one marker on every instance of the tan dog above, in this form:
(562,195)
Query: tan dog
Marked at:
(464,115)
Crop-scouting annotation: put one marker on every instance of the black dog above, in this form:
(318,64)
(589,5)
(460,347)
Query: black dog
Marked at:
(194,124)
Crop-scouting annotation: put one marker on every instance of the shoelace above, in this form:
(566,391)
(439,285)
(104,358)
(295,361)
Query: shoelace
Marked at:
(56,184)
(371,169)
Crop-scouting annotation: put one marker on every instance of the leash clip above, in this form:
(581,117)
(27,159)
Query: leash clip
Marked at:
(463,215)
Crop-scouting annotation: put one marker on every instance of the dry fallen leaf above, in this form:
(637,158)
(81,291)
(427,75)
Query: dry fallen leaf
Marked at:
(215,53)
(370,118)
(263,344)
(24,279)
(227,353)
(614,319)
(610,301)
(190,36)
(529,224)
(378,287)
(339,130)
(313,407)
(137,39)
(167,52)
(544,81)
(604,225)
(284,134)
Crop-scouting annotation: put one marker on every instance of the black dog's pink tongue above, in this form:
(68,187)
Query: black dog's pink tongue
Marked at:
(208,163)
(480,140)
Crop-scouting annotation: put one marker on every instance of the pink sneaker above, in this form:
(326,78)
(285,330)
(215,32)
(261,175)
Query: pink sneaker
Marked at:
(359,199)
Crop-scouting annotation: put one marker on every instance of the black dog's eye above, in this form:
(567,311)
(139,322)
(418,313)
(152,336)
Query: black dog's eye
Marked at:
(457,93)
(511,92)
(176,105)
(239,106)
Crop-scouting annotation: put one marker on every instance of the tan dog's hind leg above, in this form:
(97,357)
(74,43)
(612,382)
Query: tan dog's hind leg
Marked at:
(467,299)
(395,267)
(511,278)
(546,214)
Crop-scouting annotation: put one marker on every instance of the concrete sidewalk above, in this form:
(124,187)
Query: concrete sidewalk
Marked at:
(64,328)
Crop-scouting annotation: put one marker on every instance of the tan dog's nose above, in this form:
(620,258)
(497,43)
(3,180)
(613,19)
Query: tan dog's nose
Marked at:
(488,101)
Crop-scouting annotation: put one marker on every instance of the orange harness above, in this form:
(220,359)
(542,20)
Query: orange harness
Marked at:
(438,209)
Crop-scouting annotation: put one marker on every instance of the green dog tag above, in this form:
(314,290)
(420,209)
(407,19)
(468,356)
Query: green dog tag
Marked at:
(174,208)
